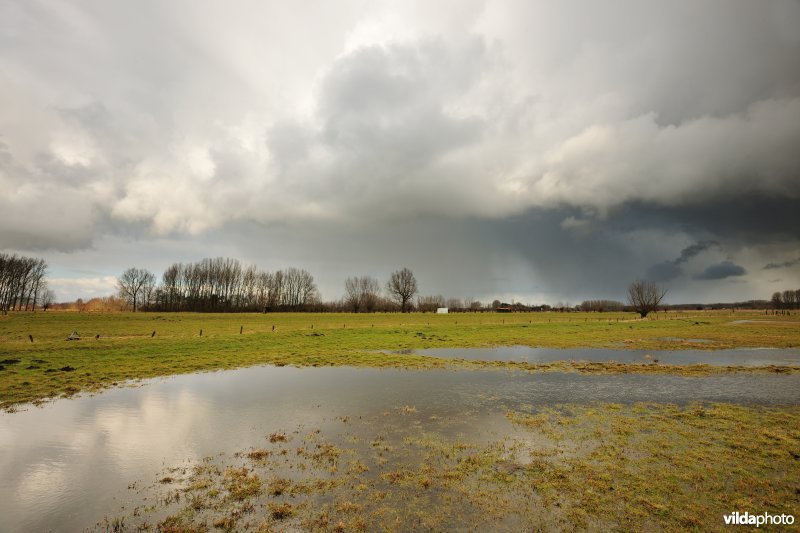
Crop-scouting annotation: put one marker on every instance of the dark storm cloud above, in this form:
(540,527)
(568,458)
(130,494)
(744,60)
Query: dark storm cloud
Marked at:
(666,271)
(785,264)
(723,270)
(669,270)
(751,219)
(576,145)
(691,251)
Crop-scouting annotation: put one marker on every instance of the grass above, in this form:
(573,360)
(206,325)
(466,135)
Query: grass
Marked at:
(599,466)
(116,347)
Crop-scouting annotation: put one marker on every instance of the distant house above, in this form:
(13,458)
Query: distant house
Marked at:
(442,310)
(503,309)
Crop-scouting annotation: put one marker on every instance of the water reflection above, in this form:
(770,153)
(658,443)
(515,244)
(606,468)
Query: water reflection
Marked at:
(66,465)
(737,356)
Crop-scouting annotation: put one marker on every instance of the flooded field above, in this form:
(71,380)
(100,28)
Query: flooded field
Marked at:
(72,464)
(752,357)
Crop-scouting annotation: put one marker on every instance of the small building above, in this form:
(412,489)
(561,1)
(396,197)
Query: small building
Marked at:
(503,309)
(442,310)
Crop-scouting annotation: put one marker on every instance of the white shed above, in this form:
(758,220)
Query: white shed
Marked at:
(441,311)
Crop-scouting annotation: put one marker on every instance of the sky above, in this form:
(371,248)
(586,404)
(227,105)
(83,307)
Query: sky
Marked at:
(531,151)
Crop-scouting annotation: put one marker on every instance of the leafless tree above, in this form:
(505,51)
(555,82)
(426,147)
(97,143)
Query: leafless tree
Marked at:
(644,296)
(21,282)
(48,298)
(361,293)
(429,303)
(223,284)
(789,299)
(402,286)
(352,294)
(136,285)
(172,287)
(601,305)
(370,293)
(455,304)
(44,296)
(275,290)
(299,289)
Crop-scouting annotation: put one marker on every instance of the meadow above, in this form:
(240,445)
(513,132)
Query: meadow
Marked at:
(38,361)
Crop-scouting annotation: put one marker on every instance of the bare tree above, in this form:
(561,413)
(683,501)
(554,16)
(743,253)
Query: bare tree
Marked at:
(644,296)
(429,303)
(352,294)
(47,299)
(454,304)
(402,286)
(789,299)
(370,293)
(299,289)
(601,305)
(171,287)
(136,285)
(21,282)
(361,293)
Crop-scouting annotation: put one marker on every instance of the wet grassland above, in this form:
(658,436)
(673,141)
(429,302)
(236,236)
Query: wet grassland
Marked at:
(604,467)
(114,348)
(594,465)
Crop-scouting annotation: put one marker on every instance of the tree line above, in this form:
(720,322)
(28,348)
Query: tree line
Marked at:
(219,285)
(787,299)
(22,284)
(601,306)
(224,284)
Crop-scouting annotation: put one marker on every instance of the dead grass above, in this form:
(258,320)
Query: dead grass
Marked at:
(600,466)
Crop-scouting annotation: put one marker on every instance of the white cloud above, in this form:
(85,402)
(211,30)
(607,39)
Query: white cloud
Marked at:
(276,113)
(68,289)
(475,110)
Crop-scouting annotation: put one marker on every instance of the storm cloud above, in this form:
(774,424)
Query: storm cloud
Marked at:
(691,251)
(723,270)
(785,264)
(559,142)
(669,270)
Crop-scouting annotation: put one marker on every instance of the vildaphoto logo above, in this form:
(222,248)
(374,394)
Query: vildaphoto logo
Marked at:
(747,519)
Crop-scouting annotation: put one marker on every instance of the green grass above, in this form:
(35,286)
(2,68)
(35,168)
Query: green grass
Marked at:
(52,366)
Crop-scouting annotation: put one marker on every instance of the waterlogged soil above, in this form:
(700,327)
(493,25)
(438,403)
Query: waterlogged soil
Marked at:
(355,448)
(746,357)
(38,363)
(601,467)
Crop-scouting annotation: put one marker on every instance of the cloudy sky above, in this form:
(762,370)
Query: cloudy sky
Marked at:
(535,151)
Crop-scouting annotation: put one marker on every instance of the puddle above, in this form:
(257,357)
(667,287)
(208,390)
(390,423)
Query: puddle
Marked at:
(68,464)
(737,356)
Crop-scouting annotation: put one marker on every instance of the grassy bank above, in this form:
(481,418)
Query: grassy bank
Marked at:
(600,467)
(115,347)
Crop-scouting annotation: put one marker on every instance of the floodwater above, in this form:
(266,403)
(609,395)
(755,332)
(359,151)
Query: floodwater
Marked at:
(68,464)
(734,357)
